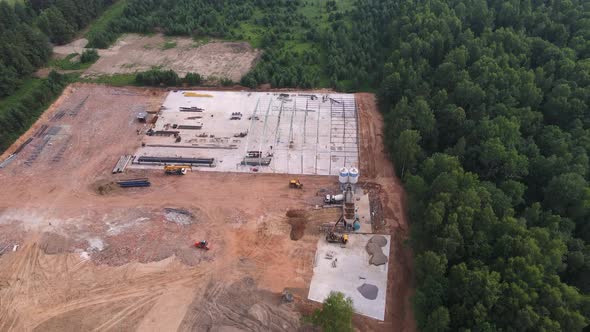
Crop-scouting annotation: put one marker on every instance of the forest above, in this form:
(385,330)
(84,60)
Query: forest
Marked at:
(486,110)
(486,113)
(27,31)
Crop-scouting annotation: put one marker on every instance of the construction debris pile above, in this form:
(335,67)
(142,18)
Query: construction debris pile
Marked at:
(179,216)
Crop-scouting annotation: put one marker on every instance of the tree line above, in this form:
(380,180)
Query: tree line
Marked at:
(27,29)
(486,112)
(277,22)
(18,116)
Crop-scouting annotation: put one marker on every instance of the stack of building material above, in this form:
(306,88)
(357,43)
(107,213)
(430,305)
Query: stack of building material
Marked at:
(197,126)
(7,160)
(122,163)
(195,94)
(190,109)
(168,133)
(176,161)
(256,161)
(141,182)
(22,146)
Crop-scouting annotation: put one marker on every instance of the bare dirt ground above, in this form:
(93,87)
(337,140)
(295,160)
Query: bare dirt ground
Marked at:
(132,53)
(76,46)
(123,259)
(378,173)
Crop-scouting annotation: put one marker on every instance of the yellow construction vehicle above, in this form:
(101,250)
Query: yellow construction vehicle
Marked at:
(294,183)
(177,170)
(337,238)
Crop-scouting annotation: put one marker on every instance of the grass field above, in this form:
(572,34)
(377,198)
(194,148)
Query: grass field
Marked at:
(114,80)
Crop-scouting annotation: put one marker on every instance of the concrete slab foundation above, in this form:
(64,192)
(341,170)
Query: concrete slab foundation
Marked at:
(302,133)
(352,270)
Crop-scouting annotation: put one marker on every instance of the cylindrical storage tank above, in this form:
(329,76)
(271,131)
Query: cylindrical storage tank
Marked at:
(353,175)
(343,175)
(356,225)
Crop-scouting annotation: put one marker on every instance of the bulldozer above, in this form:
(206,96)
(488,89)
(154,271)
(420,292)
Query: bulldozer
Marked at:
(336,238)
(294,183)
(176,170)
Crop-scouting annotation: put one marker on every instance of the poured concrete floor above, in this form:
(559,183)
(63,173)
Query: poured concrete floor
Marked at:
(352,271)
(304,134)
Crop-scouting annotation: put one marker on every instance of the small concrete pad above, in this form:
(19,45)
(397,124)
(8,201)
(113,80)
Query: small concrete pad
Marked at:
(351,272)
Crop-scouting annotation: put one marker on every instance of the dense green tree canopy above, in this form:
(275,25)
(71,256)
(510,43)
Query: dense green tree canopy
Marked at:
(26,28)
(486,109)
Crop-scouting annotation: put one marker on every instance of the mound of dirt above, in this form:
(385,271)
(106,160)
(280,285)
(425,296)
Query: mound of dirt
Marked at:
(179,216)
(296,214)
(368,291)
(379,240)
(298,220)
(377,256)
(240,306)
(105,188)
(52,243)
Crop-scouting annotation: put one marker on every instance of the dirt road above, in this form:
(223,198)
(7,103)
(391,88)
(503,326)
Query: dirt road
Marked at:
(377,168)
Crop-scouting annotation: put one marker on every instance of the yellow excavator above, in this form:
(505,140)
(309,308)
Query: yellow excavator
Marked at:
(177,170)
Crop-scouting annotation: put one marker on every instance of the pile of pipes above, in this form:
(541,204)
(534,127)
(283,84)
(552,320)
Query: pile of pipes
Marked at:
(175,161)
(129,183)
(260,161)
(191,109)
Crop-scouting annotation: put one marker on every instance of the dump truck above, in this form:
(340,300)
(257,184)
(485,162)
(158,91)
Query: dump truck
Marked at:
(294,183)
(337,238)
(334,199)
(176,170)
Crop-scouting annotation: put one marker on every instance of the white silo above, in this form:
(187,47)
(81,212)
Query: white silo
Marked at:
(343,177)
(353,176)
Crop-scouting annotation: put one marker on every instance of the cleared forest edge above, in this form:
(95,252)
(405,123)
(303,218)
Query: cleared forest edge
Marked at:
(134,53)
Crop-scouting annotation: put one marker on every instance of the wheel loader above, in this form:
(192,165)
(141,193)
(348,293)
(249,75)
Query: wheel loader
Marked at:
(176,170)
(295,184)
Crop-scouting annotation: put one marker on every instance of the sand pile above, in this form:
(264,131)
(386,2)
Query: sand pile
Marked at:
(374,248)
(379,240)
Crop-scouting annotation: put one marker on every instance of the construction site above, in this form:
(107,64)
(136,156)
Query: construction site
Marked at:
(149,209)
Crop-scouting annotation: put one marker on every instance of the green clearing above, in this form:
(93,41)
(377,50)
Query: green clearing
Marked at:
(114,80)
(107,17)
(168,45)
(67,63)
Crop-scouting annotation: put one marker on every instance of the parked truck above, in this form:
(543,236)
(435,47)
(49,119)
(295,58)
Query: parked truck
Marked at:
(334,199)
